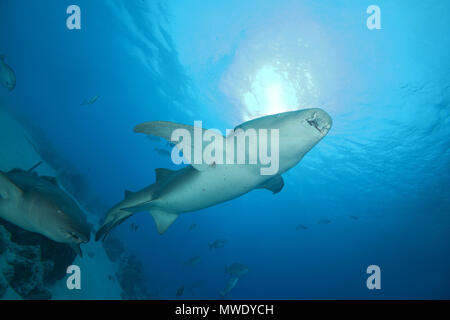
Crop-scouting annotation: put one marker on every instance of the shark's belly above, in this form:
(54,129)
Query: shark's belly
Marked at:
(207,188)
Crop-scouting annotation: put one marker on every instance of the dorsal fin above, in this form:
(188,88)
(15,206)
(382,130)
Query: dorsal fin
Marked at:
(162,173)
(50,179)
(128,193)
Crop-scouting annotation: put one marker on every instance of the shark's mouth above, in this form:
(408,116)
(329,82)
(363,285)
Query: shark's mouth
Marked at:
(320,124)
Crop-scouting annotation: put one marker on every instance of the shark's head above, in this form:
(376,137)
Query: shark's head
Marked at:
(301,130)
(74,233)
(60,223)
(316,119)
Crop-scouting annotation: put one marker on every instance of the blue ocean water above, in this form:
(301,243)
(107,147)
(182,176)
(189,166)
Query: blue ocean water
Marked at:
(385,162)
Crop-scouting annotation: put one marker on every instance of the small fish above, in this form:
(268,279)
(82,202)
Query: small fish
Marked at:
(353,217)
(301,227)
(192,227)
(134,227)
(237,269)
(229,286)
(90,101)
(324,221)
(180,291)
(219,243)
(192,261)
(161,151)
(7,75)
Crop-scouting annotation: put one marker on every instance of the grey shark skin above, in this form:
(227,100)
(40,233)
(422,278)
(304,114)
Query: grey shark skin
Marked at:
(38,204)
(7,75)
(197,187)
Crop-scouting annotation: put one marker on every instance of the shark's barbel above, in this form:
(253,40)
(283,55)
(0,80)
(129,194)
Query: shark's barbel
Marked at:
(199,186)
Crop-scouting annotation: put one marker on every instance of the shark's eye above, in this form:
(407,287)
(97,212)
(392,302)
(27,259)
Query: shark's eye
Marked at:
(74,235)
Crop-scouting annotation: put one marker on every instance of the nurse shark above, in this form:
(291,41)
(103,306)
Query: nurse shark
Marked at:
(199,185)
(38,204)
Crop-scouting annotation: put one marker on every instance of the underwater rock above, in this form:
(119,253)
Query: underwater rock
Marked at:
(61,255)
(113,248)
(131,279)
(3,284)
(22,268)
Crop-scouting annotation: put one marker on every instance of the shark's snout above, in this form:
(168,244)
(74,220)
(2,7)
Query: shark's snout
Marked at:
(77,237)
(320,120)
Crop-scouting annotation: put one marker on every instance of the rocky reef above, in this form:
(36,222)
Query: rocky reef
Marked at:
(29,262)
(132,281)
(130,274)
(113,248)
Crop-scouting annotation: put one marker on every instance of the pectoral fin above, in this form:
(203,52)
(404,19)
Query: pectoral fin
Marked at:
(8,189)
(274,184)
(163,219)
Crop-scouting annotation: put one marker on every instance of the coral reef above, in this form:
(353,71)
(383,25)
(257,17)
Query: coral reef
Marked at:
(29,261)
(132,281)
(113,248)
(21,267)
(130,274)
